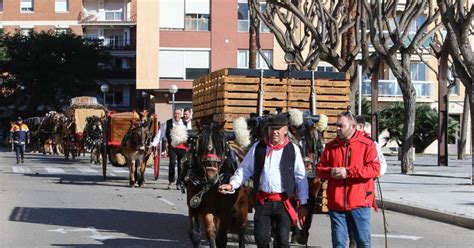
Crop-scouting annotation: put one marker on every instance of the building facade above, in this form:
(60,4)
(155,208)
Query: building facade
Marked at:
(188,39)
(113,22)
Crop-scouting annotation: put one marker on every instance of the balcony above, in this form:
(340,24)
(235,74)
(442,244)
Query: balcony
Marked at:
(115,44)
(390,88)
(106,17)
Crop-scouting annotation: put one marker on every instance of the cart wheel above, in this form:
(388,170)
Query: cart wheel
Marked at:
(156,163)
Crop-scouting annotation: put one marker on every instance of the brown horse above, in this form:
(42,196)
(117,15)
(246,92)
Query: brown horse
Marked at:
(208,163)
(310,140)
(135,147)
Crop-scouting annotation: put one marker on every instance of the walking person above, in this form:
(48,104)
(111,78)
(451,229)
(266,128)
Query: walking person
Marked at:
(20,136)
(188,117)
(350,163)
(278,172)
(175,153)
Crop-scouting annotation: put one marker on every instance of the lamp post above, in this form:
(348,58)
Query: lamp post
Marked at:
(104,88)
(145,96)
(173,90)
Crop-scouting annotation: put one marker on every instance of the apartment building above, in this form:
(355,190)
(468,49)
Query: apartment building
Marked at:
(111,21)
(190,38)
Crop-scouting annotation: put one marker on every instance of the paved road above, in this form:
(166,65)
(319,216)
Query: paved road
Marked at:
(50,202)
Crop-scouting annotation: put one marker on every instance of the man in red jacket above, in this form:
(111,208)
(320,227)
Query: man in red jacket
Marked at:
(349,163)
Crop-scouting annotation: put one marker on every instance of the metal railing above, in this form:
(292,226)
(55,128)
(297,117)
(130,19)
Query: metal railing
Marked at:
(114,43)
(105,16)
(390,88)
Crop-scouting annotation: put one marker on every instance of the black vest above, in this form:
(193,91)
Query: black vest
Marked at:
(287,167)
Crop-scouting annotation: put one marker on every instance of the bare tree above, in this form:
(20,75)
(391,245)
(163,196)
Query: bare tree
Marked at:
(395,43)
(458,19)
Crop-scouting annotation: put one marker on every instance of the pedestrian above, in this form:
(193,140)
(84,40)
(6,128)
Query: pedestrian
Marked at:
(364,127)
(278,173)
(175,153)
(349,163)
(187,117)
(20,136)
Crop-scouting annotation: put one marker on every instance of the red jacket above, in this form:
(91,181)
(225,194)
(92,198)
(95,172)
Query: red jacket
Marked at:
(359,156)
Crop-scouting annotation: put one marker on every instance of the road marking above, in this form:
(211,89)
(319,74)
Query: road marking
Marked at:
(52,170)
(394,236)
(166,201)
(119,170)
(86,170)
(149,170)
(95,234)
(21,170)
(112,174)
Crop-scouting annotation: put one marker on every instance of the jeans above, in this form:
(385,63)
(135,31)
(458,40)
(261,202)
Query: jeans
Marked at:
(175,154)
(360,220)
(20,151)
(271,214)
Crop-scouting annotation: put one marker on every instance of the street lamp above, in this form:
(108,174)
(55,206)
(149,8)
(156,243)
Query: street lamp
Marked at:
(173,90)
(104,88)
(145,96)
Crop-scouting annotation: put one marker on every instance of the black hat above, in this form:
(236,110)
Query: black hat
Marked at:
(360,119)
(19,119)
(278,121)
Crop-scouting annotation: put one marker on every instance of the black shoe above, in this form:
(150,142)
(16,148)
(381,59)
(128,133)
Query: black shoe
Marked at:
(169,186)
(22,161)
(17,162)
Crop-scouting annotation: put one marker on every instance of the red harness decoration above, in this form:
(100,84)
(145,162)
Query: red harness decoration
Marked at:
(275,197)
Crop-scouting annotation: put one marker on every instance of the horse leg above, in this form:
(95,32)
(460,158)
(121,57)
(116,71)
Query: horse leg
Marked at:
(195,231)
(131,165)
(141,175)
(241,213)
(211,229)
(221,222)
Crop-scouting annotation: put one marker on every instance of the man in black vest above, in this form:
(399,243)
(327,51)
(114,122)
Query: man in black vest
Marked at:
(278,172)
(176,153)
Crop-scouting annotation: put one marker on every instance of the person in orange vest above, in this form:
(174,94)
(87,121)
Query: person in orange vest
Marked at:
(20,136)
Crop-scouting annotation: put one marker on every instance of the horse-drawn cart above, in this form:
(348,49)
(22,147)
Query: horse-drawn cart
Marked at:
(117,126)
(79,110)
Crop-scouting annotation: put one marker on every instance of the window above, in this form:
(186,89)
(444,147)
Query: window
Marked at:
(243,59)
(183,64)
(172,14)
(1,5)
(196,22)
(26,6)
(26,31)
(62,30)
(325,69)
(418,71)
(62,5)
(243,16)
(118,96)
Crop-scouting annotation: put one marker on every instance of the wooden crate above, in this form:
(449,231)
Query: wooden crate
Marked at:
(232,93)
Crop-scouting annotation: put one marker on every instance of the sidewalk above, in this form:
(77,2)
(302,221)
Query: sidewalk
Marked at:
(435,192)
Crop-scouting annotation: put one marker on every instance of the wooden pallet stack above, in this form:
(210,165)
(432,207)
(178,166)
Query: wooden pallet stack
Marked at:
(227,94)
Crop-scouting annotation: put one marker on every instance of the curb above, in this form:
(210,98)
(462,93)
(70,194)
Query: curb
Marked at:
(449,218)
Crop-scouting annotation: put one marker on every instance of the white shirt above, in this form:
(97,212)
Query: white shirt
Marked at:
(270,178)
(189,124)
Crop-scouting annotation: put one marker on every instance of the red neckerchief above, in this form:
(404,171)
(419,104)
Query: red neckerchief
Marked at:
(275,147)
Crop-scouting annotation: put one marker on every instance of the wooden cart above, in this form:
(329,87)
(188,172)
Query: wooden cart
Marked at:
(79,110)
(228,94)
(117,125)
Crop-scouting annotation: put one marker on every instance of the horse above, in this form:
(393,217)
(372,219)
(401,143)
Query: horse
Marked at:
(94,138)
(307,133)
(208,163)
(135,147)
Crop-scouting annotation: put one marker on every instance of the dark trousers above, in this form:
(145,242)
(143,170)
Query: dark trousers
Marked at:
(271,214)
(174,154)
(20,151)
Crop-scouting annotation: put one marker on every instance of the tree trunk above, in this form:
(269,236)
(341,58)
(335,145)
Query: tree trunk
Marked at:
(348,44)
(465,120)
(407,166)
(253,38)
